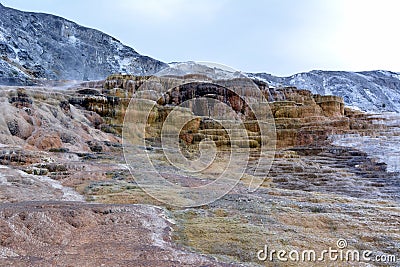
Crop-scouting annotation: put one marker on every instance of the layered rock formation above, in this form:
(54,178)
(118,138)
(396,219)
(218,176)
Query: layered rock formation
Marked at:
(66,145)
(301,118)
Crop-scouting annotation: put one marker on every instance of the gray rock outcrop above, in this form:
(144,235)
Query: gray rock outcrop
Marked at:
(42,46)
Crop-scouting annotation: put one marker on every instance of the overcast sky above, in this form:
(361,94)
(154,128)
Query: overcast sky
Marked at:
(281,37)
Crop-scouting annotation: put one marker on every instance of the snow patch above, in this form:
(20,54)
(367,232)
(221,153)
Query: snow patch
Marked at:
(2,38)
(354,108)
(16,50)
(72,39)
(116,57)
(211,70)
(124,63)
(397,76)
(118,45)
(368,92)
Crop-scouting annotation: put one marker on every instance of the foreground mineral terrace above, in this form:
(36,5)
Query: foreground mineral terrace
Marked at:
(68,198)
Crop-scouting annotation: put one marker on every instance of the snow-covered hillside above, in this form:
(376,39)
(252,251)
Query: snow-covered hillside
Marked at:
(375,91)
(44,46)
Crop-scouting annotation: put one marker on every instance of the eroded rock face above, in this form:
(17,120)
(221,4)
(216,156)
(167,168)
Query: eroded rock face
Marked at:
(36,119)
(301,118)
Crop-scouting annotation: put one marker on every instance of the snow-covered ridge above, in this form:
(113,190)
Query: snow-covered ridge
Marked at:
(374,91)
(44,46)
(211,70)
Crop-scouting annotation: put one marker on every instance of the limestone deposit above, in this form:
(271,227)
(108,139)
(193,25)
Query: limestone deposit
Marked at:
(60,145)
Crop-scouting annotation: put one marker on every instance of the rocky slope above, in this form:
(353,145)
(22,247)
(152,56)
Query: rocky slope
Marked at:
(77,234)
(36,45)
(376,91)
(60,145)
